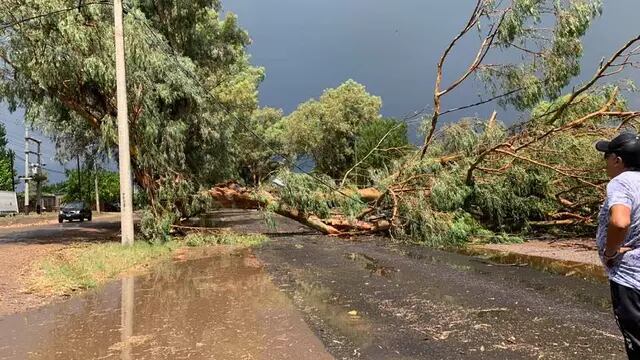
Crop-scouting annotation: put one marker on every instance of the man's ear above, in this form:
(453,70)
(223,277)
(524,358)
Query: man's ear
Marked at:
(619,160)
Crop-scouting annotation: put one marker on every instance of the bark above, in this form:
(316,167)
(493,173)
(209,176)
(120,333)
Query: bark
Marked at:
(231,195)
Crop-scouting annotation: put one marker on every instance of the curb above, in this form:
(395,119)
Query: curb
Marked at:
(586,271)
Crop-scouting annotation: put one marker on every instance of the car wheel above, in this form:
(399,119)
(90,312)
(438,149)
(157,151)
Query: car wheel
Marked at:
(89,218)
(81,219)
(60,220)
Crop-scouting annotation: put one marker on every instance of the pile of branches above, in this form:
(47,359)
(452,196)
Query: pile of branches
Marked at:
(325,219)
(477,178)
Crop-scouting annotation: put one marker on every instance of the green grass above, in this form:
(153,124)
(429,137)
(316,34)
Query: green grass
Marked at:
(89,266)
(86,267)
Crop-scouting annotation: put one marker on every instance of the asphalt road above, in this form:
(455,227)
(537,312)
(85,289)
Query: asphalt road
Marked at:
(371,299)
(102,228)
(368,298)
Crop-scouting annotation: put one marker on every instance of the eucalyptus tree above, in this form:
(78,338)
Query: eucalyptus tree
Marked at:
(190,86)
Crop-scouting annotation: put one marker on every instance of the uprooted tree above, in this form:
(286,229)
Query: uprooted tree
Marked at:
(477,178)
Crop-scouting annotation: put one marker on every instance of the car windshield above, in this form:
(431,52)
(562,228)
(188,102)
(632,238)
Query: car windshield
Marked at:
(76,205)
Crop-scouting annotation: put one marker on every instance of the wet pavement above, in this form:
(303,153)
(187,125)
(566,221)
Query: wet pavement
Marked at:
(362,299)
(103,228)
(409,302)
(209,306)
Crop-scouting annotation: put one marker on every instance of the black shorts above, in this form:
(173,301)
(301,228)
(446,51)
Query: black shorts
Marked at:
(626,308)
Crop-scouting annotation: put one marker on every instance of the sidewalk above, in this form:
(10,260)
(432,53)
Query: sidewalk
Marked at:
(570,257)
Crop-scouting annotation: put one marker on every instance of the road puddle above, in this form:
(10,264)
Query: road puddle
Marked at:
(349,323)
(372,265)
(209,306)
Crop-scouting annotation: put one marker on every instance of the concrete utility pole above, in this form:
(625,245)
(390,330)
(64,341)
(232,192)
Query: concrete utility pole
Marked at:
(79,178)
(124,157)
(13,179)
(26,170)
(36,171)
(96,185)
(38,179)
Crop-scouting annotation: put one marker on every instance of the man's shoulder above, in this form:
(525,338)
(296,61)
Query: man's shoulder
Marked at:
(627,178)
(626,183)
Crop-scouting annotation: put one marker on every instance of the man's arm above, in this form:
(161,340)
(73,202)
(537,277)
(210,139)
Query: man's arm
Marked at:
(619,221)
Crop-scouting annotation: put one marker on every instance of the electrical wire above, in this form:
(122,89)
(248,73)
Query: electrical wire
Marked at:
(8,24)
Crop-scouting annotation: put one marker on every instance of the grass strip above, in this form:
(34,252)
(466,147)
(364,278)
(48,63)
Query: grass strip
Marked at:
(88,266)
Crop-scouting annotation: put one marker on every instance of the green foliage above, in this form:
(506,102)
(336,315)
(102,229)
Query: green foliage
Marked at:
(449,191)
(435,229)
(542,113)
(312,196)
(83,186)
(185,103)
(260,153)
(468,136)
(303,193)
(7,174)
(550,55)
(507,205)
(326,129)
(155,227)
(460,137)
(378,143)
(501,238)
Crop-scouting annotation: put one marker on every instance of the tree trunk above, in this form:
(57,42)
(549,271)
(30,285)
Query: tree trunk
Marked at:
(231,195)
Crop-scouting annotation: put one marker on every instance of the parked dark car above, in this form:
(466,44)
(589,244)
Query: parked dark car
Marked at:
(75,210)
(111,207)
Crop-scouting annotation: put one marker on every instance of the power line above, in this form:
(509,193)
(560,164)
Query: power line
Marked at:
(14,141)
(15,154)
(17,151)
(56,171)
(7,24)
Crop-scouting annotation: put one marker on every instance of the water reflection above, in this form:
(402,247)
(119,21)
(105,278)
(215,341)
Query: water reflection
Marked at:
(126,315)
(219,306)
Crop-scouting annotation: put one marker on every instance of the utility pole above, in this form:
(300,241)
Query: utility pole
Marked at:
(124,157)
(13,178)
(36,170)
(26,171)
(79,177)
(96,185)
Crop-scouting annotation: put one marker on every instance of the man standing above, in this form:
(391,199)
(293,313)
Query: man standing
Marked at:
(618,236)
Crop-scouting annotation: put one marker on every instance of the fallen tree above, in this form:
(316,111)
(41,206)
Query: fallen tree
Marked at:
(476,178)
(232,195)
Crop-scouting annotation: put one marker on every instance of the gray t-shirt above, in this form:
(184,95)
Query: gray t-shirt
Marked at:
(624,189)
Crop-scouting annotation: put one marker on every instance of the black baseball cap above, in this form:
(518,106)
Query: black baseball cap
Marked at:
(627,143)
